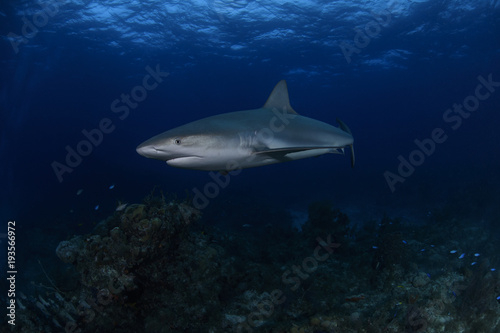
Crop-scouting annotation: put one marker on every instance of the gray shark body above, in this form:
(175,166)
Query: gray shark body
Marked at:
(272,134)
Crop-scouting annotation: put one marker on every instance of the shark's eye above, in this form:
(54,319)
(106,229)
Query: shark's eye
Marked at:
(177,141)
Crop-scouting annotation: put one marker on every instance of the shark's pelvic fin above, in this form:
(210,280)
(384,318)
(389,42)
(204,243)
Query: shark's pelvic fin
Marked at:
(344,127)
(279,98)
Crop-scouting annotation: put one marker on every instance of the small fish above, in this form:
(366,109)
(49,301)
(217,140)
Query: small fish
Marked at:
(422,250)
(453,251)
(96,207)
(493,269)
(112,187)
(477,254)
(405,242)
(374,247)
(428,275)
(355,298)
(121,207)
(454,293)
(432,245)
(246,225)
(498,298)
(80,191)
(462,256)
(473,263)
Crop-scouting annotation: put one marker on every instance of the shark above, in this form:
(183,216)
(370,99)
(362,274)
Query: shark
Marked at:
(274,133)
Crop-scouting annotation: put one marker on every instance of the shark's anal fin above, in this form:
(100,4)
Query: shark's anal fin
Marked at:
(346,129)
(279,98)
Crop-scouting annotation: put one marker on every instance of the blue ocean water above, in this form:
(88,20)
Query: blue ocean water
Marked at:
(418,83)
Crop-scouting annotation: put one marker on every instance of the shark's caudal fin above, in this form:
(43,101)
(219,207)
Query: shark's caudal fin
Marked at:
(279,98)
(346,129)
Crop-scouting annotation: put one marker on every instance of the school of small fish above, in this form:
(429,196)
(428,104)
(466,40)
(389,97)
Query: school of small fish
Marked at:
(462,256)
(119,208)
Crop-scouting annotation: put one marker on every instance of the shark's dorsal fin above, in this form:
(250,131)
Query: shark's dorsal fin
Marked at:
(279,98)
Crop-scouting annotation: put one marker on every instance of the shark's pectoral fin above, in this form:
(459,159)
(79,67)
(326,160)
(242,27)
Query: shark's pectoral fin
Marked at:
(278,154)
(285,150)
(281,153)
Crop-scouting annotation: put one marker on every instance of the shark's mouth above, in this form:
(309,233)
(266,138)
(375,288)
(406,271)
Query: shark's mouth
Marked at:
(183,161)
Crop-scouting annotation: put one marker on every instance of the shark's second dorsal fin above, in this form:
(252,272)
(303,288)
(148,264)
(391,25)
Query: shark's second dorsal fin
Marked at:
(279,98)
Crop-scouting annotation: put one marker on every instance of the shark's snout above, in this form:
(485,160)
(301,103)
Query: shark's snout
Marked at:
(157,151)
(147,151)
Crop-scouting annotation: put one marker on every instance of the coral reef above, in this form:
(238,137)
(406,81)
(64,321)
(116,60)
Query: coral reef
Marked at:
(132,278)
(154,268)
